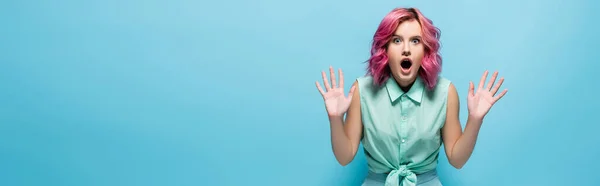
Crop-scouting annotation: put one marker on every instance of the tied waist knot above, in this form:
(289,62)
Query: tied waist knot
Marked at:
(402,176)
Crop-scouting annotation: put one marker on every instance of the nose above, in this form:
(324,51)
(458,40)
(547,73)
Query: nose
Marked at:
(406,49)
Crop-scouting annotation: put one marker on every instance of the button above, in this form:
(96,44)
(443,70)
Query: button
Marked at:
(403,118)
(403,140)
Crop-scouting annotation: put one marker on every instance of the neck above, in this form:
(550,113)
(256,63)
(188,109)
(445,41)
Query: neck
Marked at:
(406,88)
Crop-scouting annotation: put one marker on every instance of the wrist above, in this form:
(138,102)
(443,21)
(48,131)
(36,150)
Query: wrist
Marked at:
(475,117)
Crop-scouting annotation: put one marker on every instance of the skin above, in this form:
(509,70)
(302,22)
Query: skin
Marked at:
(345,135)
(407,43)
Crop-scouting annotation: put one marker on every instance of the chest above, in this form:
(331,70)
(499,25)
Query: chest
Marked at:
(404,119)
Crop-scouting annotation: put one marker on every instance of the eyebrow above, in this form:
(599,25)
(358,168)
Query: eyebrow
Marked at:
(417,36)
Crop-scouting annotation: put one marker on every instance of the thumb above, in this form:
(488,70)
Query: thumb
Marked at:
(471,87)
(351,93)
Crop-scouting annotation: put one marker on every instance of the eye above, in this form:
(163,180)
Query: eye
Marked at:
(396,40)
(415,41)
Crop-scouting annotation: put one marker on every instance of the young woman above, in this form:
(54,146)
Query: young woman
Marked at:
(403,110)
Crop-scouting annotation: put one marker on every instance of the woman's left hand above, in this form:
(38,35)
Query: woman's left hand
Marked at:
(480,102)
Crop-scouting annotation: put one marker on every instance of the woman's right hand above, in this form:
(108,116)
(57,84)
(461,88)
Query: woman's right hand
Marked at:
(336,102)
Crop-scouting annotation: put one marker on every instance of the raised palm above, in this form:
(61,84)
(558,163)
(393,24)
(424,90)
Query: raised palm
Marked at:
(336,102)
(480,103)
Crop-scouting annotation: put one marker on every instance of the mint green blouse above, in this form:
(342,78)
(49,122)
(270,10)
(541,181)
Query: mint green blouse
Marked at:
(402,130)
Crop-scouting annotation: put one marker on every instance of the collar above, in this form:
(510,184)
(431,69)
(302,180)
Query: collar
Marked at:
(415,93)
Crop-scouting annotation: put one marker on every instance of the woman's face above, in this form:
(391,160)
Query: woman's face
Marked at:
(405,52)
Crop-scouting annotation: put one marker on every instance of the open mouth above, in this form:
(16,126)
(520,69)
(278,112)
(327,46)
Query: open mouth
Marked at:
(406,63)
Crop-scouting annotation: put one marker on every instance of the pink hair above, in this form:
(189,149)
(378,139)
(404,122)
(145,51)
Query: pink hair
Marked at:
(431,65)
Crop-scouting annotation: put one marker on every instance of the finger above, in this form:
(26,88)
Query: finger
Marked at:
(351,93)
(471,87)
(497,87)
(482,80)
(325,81)
(500,95)
(332,76)
(492,80)
(320,89)
(341,78)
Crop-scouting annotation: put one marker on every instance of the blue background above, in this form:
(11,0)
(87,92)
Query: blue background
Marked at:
(222,92)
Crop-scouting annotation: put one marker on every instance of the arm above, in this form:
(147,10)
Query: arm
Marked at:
(458,145)
(346,135)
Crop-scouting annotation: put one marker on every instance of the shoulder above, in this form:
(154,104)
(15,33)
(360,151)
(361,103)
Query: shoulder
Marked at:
(443,83)
(448,90)
(440,91)
(365,80)
(441,87)
(367,88)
